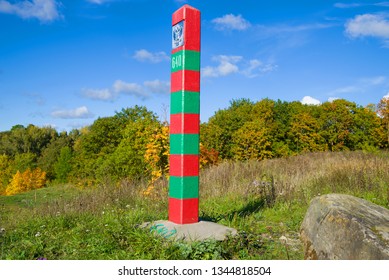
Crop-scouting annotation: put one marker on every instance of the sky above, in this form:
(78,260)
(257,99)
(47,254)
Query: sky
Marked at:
(66,63)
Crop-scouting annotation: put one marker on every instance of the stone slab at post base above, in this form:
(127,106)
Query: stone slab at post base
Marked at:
(200,231)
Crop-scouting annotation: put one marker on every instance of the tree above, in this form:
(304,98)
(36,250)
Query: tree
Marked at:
(304,133)
(157,152)
(32,139)
(6,172)
(128,159)
(24,161)
(211,136)
(252,141)
(367,132)
(383,111)
(63,165)
(102,137)
(208,157)
(26,181)
(50,154)
(337,123)
(224,124)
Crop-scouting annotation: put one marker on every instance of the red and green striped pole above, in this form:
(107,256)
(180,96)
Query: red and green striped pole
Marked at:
(185,117)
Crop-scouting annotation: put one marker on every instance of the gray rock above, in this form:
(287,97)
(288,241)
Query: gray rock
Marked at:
(190,232)
(345,227)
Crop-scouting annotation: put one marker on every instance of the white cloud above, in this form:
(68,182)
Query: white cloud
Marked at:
(157,86)
(283,29)
(368,25)
(98,2)
(256,67)
(374,81)
(345,90)
(356,5)
(386,96)
(146,56)
(346,6)
(44,10)
(227,65)
(120,87)
(99,94)
(254,64)
(129,88)
(78,113)
(361,86)
(231,22)
(308,100)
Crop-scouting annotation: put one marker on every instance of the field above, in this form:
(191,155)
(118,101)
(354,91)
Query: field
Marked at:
(264,200)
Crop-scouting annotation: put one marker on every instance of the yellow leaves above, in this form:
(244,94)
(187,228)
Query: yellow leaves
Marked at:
(304,134)
(157,156)
(252,141)
(383,111)
(148,191)
(383,107)
(26,181)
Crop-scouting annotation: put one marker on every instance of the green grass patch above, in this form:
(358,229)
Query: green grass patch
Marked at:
(40,196)
(265,201)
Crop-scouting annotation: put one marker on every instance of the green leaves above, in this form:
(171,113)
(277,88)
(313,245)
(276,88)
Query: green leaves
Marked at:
(267,129)
(63,165)
(129,144)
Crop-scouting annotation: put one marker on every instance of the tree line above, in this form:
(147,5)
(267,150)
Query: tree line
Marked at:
(134,144)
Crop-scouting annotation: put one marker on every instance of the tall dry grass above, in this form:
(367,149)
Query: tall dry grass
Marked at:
(277,180)
(303,177)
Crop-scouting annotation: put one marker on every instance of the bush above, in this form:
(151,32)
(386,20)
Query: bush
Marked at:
(26,181)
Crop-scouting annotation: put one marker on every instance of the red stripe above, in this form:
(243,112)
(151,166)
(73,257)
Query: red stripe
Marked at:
(192,30)
(184,211)
(184,165)
(178,16)
(184,123)
(192,19)
(185,80)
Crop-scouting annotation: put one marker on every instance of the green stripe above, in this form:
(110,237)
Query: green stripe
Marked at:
(185,60)
(185,102)
(184,187)
(184,144)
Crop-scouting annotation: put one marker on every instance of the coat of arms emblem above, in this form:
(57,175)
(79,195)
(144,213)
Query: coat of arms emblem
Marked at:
(178,35)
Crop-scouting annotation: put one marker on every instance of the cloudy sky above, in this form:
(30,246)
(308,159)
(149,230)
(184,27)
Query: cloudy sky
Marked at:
(65,63)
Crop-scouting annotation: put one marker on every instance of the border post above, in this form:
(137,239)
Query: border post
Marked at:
(185,116)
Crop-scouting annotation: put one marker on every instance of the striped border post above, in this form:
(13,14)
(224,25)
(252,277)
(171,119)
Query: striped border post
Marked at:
(185,117)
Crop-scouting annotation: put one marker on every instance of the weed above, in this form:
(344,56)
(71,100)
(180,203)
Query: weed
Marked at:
(264,200)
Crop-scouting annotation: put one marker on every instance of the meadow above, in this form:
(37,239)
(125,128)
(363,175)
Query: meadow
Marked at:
(264,200)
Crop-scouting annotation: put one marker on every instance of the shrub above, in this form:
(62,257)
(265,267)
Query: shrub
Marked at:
(26,181)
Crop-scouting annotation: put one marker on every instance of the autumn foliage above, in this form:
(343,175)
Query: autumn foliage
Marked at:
(157,156)
(26,181)
(134,144)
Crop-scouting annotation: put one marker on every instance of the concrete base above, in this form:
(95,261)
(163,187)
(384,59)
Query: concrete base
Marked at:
(190,232)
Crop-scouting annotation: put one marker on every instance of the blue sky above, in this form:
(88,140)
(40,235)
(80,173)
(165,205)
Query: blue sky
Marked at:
(66,63)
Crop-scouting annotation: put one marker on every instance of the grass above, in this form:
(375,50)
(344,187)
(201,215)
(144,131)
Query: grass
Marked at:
(265,201)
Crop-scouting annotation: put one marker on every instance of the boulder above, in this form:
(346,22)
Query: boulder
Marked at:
(338,226)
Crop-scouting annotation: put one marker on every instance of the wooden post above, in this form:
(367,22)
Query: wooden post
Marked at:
(185,116)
